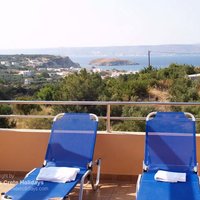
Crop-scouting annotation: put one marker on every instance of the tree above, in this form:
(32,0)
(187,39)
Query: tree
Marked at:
(46,93)
(5,122)
(175,71)
(26,109)
(183,90)
(131,125)
(81,86)
(45,75)
(148,69)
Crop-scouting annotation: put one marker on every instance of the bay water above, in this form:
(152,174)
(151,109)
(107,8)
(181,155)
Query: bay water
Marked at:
(157,61)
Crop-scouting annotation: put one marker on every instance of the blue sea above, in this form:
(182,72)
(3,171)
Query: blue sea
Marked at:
(157,61)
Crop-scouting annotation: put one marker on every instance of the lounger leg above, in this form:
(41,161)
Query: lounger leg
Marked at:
(138,184)
(94,186)
(82,183)
(66,198)
(3,197)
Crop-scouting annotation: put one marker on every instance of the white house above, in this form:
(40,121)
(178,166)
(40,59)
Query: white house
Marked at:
(26,73)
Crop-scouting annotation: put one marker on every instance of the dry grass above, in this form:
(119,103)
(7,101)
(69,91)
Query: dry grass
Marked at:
(159,95)
(36,123)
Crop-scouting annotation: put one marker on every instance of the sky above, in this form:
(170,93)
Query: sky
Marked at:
(88,23)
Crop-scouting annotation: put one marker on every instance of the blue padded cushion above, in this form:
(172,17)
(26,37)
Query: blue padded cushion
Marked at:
(167,135)
(30,189)
(155,190)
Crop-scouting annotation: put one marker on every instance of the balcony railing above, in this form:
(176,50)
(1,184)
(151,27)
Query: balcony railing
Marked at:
(122,154)
(107,104)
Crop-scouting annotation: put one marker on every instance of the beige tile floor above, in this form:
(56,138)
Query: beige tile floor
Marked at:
(108,190)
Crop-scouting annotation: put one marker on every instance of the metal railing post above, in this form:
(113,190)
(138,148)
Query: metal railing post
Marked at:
(108,128)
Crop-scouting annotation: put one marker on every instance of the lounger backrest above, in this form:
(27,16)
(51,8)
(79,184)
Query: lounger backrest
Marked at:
(170,142)
(72,140)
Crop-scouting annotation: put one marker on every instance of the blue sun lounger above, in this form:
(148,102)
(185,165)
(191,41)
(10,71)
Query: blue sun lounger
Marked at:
(71,144)
(170,146)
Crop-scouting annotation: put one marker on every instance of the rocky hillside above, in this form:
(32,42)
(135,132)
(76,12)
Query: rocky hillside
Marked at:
(64,62)
(35,61)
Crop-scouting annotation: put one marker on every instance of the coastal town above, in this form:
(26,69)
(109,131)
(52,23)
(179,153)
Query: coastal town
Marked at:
(37,69)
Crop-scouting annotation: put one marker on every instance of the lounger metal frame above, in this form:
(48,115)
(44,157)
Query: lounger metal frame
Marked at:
(88,174)
(145,167)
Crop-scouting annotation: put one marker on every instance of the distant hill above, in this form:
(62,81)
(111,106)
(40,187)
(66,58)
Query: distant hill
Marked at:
(114,51)
(64,62)
(33,60)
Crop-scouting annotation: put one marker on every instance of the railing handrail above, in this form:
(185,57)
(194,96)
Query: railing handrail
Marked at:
(108,104)
(142,103)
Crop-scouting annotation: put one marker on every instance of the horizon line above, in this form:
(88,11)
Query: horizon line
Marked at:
(109,46)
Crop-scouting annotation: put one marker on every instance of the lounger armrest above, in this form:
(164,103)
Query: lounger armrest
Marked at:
(44,163)
(145,167)
(29,173)
(195,169)
(90,165)
(96,162)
